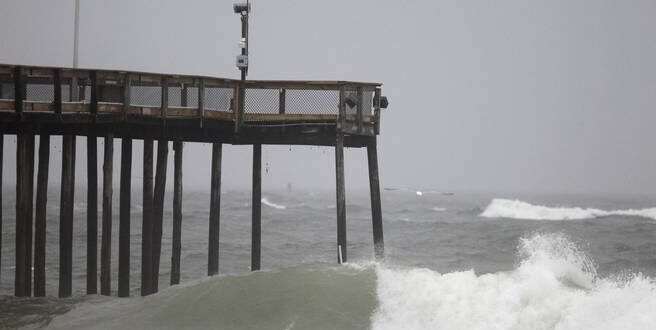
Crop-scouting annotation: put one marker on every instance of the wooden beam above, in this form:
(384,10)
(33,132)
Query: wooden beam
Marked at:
(341,199)
(165,99)
(66,216)
(256,237)
(106,244)
(374,190)
(147,225)
(124,219)
(92,214)
(215,210)
(177,211)
(158,207)
(40,217)
(24,190)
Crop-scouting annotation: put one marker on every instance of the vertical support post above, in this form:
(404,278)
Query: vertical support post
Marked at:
(341,199)
(147,225)
(40,217)
(158,207)
(108,190)
(282,101)
(57,100)
(177,212)
(124,221)
(201,101)
(215,211)
(19,89)
(256,238)
(2,145)
(66,217)
(24,190)
(92,212)
(374,190)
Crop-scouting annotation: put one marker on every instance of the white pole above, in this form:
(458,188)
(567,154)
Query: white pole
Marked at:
(76,33)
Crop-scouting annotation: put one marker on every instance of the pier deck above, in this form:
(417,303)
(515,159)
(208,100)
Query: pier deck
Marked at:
(114,104)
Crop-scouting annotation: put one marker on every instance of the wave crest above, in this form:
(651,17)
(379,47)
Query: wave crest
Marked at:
(516,209)
(555,286)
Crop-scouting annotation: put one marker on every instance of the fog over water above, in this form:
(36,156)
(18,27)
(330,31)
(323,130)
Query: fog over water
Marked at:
(513,96)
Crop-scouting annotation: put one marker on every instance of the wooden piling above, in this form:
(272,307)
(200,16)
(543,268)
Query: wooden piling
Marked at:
(256,237)
(215,210)
(24,190)
(106,243)
(40,217)
(177,209)
(341,199)
(92,214)
(158,207)
(374,190)
(66,216)
(147,224)
(2,145)
(124,221)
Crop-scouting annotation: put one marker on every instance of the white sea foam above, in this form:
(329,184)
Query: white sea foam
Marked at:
(516,209)
(438,209)
(266,202)
(554,287)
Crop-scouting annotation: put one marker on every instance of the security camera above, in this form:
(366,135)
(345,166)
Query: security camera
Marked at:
(241,8)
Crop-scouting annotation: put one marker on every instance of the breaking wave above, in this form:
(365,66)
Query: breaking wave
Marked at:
(555,286)
(274,205)
(516,209)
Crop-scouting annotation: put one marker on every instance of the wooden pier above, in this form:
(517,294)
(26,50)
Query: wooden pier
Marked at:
(160,108)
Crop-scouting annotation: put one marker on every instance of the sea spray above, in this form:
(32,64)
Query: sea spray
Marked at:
(555,286)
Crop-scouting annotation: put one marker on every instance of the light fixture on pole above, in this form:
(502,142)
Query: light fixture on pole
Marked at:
(243,9)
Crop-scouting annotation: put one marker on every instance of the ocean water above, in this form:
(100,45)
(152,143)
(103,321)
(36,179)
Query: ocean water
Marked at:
(453,261)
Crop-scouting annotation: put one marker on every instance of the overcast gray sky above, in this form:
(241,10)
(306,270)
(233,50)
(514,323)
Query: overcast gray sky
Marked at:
(485,95)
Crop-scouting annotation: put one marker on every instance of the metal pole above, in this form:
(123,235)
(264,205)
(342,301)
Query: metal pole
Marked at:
(76,33)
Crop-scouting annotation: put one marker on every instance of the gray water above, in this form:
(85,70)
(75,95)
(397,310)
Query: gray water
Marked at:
(433,240)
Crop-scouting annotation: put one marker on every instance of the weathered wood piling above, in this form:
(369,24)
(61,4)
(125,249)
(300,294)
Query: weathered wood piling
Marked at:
(336,114)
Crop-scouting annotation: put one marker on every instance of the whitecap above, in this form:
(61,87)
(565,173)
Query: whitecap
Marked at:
(516,209)
(266,202)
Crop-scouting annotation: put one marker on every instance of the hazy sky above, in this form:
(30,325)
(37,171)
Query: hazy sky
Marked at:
(512,95)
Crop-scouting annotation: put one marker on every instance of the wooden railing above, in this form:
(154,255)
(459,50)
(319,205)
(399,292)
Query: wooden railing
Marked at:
(351,106)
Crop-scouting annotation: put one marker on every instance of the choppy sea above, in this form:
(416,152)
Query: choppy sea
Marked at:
(453,261)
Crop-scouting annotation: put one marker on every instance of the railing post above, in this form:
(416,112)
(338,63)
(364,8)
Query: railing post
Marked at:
(201,101)
(282,100)
(127,86)
(165,99)
(341,117)
(359,110)
(93,105)
(19,89)
(57,91)
(377,111)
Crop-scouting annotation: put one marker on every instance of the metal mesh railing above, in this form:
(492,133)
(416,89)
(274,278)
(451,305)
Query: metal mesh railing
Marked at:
(264,101)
